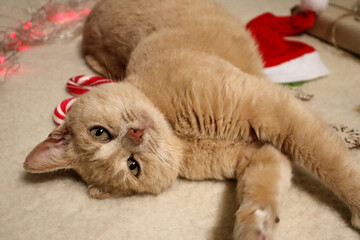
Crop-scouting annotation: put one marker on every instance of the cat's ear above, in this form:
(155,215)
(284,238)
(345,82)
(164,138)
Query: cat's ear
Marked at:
(49,154)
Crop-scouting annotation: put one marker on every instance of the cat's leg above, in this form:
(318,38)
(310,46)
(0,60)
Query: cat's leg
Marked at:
(95,64)
(110,66)
(259,190)
(279,119)
(109,62)
(107,44)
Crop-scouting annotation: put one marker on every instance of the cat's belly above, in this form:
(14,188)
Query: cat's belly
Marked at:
(214,159)
(202,96)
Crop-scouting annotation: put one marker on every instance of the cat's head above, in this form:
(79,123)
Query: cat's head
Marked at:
(116,139)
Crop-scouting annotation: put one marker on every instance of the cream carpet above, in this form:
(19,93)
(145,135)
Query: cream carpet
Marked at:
(56,206)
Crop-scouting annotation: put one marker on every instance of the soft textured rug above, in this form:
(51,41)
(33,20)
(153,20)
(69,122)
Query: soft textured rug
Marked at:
(56,206)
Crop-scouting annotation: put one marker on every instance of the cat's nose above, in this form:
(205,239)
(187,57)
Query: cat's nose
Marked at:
(135,135)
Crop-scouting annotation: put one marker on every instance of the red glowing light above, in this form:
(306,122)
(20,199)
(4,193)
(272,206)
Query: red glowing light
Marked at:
(27,25)
(2,60)
(23,47)
(87,11)
(71,15)
(59,15)
(19,43)
(13,35)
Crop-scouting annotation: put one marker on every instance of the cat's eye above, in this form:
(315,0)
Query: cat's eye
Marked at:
(133,166)
(100,134)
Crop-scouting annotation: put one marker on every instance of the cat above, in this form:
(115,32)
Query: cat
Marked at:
(192,102)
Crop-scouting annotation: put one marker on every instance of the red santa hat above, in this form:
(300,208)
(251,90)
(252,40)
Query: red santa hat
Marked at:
(286,60)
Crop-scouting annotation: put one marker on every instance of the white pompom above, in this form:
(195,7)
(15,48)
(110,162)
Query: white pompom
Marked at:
(314,5)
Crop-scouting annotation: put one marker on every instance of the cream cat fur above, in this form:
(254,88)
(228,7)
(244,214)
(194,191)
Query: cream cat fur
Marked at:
(193,103)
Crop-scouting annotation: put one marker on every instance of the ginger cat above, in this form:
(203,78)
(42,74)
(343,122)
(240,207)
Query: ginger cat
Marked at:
(193,102)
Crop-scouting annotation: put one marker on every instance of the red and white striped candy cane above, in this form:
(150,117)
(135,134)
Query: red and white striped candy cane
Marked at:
(80,84)
(76,86)
(61,110)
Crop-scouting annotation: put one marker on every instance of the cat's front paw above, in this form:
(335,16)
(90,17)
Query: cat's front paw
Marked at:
(355,220)
(97,193)
(255,223)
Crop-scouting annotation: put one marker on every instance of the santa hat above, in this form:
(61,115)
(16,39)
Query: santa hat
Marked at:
(286,60)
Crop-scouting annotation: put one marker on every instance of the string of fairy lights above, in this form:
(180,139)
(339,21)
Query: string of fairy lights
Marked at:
(51,22)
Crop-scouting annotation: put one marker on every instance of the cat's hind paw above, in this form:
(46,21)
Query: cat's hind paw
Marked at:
(254,223)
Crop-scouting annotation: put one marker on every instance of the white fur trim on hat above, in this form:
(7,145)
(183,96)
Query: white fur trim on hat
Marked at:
(314,5)
(304,68)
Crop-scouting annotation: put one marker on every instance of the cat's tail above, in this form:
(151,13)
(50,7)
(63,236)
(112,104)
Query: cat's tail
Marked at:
(281,120)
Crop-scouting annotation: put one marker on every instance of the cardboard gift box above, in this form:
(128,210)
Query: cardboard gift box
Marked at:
(339,25)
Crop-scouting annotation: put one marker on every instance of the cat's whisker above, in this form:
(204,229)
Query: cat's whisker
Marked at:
(161,158)
(158,154)
(112,92)
(107,70)
(166,160)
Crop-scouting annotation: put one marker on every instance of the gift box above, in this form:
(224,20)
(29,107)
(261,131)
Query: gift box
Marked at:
(339,25)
